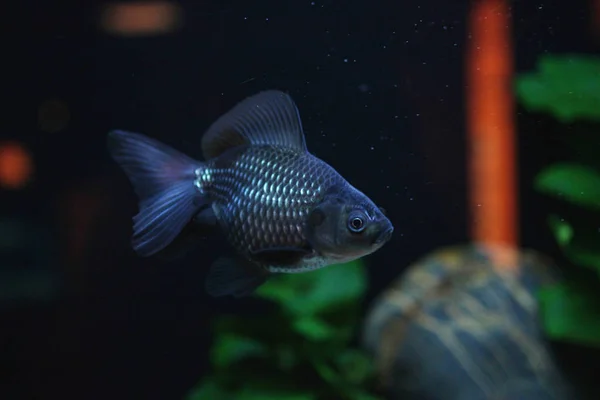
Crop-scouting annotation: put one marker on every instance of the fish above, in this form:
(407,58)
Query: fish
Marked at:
(279,207)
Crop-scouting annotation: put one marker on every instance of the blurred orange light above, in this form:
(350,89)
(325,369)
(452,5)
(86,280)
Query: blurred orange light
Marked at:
(140,18)
(16,166)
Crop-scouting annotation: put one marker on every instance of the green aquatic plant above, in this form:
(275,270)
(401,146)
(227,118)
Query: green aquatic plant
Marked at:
(568,87)
(301,349)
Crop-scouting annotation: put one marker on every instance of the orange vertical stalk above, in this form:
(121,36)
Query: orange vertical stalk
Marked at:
(490,124)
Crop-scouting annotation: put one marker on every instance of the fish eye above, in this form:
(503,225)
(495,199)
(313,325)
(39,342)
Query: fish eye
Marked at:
(356,222)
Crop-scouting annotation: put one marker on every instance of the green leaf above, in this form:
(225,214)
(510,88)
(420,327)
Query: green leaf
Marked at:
(270,390)
(327,373)
(354,365)
(339,284)
(286,357)
(563,232)
(359,394)
(345,388)
(313,329)
(253,394)
(281,288)
(568,315)
(584,257)
(316,291)
(208,389)
(581,247)
(319,314)
(568,86)
(574,183)
(230,348)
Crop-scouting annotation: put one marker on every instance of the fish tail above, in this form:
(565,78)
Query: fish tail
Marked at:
(163,179)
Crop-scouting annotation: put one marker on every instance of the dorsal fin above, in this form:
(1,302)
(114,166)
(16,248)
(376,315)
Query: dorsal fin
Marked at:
(269,117)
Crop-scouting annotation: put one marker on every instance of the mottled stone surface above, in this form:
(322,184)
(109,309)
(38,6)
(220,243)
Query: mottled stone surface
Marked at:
(462,324)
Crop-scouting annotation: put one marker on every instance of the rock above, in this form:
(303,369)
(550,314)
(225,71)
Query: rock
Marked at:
(462,324)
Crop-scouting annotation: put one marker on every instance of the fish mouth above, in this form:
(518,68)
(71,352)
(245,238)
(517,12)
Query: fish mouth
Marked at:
(384,236)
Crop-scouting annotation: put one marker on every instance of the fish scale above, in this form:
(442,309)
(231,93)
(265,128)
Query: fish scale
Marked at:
(263,197)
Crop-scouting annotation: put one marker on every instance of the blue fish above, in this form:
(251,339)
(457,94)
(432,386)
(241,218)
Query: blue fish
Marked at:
(282,209)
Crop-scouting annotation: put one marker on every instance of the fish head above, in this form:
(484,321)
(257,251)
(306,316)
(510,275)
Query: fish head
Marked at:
(347,225)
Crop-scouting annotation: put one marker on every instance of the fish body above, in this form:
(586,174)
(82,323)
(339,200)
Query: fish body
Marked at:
(282,209)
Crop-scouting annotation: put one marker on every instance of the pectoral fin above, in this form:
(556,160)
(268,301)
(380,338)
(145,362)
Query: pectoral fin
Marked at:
(235,277)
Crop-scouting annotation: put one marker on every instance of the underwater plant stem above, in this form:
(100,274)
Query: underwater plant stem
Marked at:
(490,124)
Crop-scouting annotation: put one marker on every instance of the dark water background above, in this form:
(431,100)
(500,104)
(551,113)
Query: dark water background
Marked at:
(379,86)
